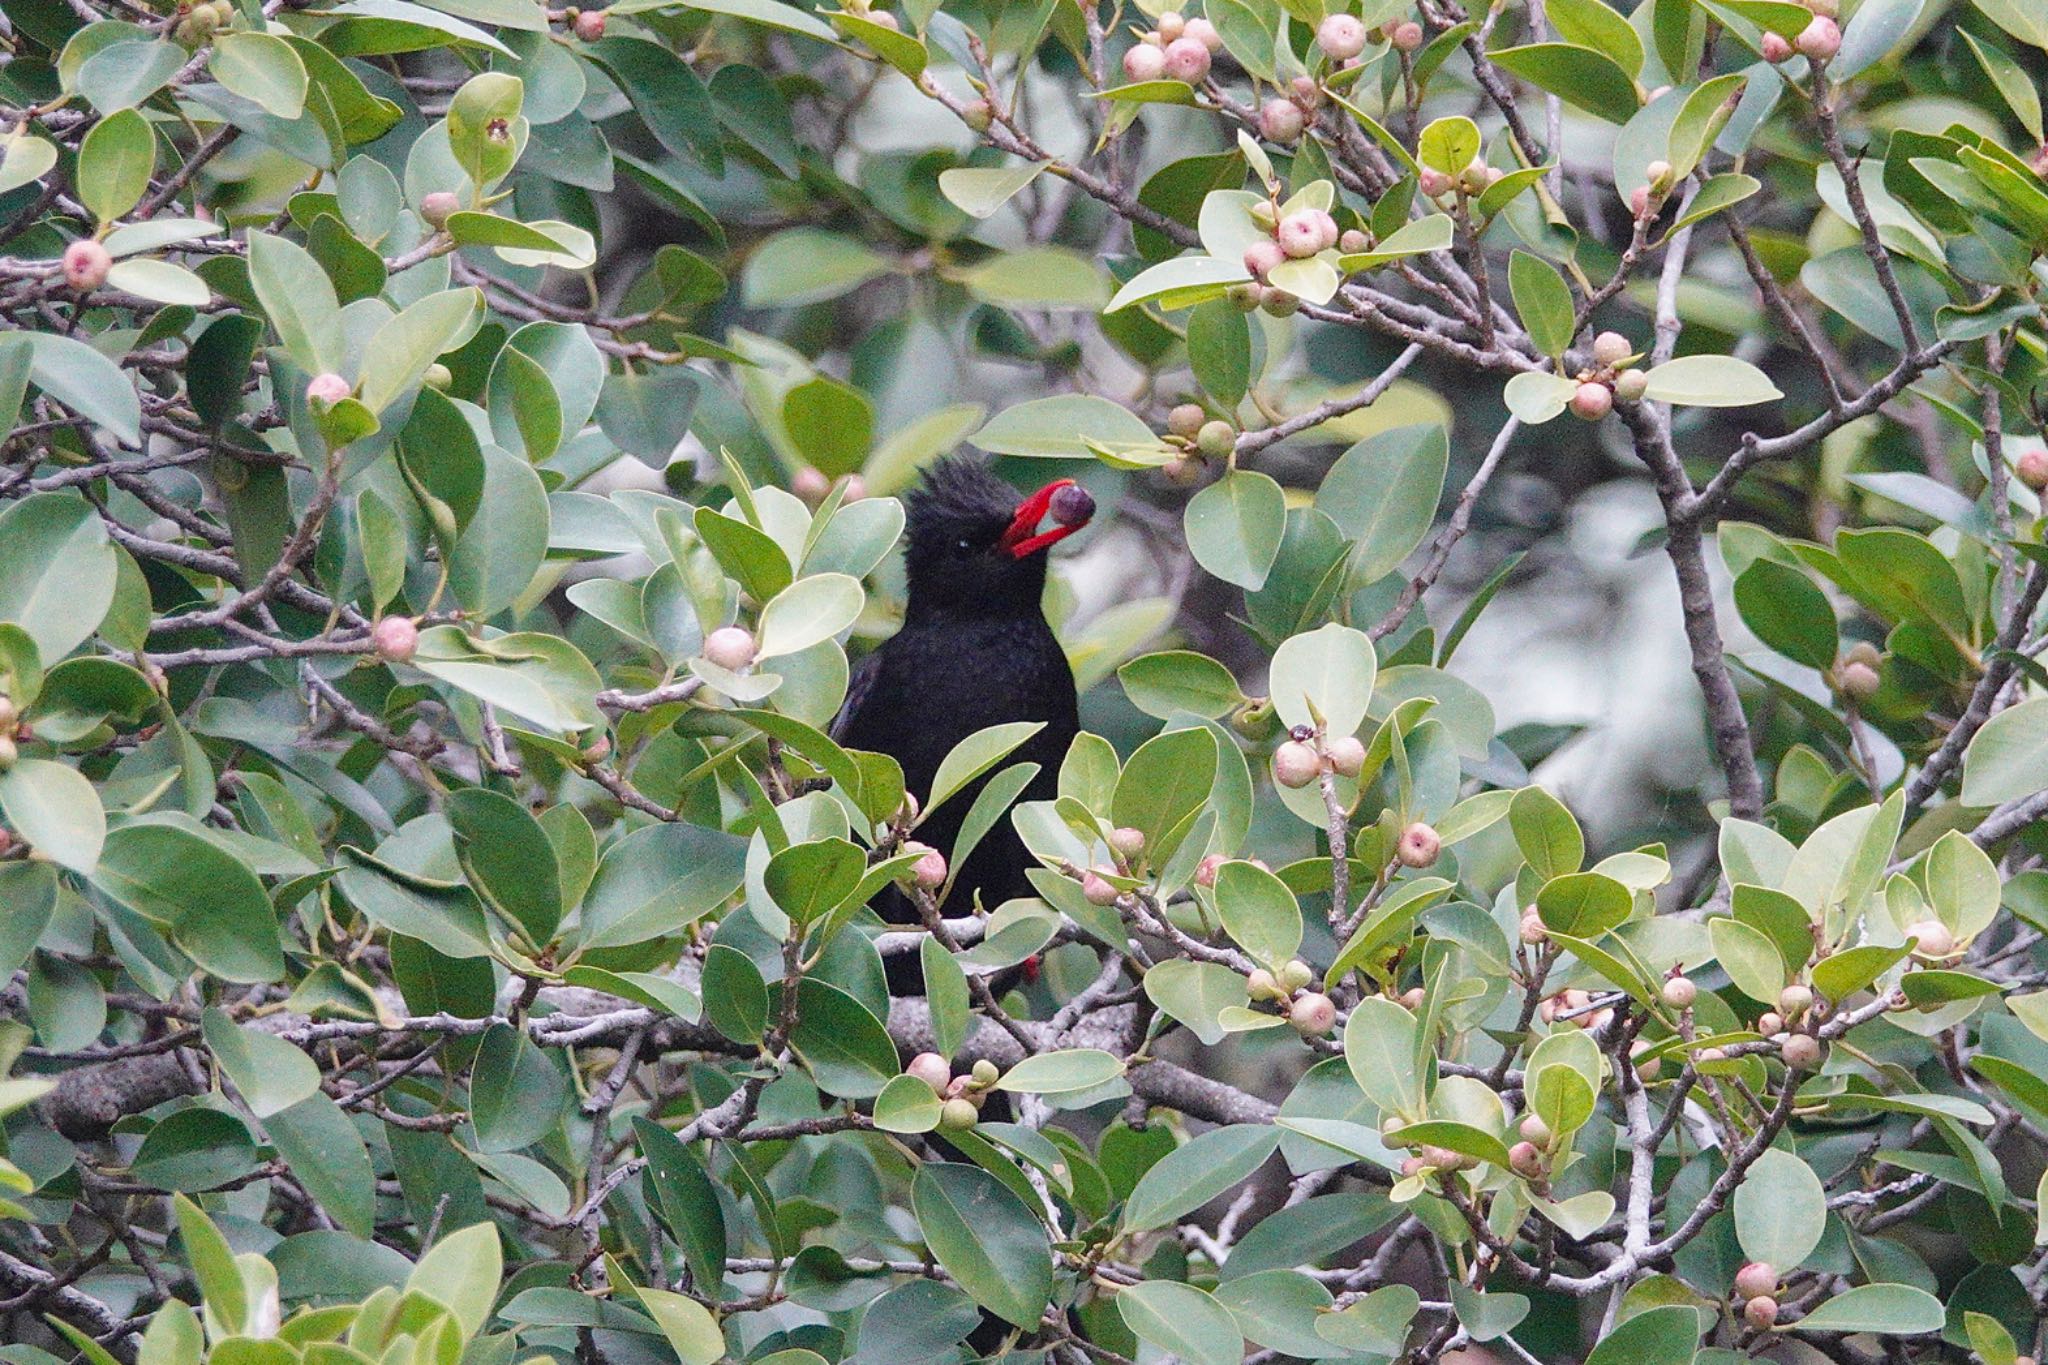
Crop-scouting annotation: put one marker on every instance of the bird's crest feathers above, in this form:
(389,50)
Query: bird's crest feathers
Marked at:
(959,488)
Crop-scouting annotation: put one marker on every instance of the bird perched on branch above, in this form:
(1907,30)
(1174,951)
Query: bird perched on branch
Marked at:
(974,651)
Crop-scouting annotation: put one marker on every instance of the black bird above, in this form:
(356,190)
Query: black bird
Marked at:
(974,651)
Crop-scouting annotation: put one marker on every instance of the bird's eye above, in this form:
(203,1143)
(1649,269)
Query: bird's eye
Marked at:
(963,547)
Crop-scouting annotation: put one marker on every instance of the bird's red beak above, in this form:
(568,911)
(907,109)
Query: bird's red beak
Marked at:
(1023,538)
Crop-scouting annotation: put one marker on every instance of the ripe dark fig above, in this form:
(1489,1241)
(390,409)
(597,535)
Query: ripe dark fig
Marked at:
(1072,505)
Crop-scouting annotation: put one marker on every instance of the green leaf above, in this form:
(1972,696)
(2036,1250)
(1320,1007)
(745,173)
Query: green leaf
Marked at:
(1542,298)
(945,990)
(1234,526)
(1186,1323)
(659,880)
(480,122)
(398,355)
(159,280)
(1871,33)
(646,413)
(1989,1338)
(1669,1335)
(526,412)
(1962,884)
(1062,427)
(769,13)
(124,74)
(979,191)
(809,881)
(1196,1172)
(985,1238)
(2018,18)
(685,1199)
(1179,283)
(1258,912)
(831,424)
(27,159)
(1330,670)
(746,552)
(846,1048)
(1545,832)
(1782,17)
(1278,1309)
(735,996)
(1312,279)
(1376,1324)
(1593,81)
(1195,994)
(1383,494)
(901,50)
(1701,118)
(88,383)
(1448,144)
(115,163)
(1891,1309)
(1168,780)
(463,1271)
(1722,192)
(642,988)
(1046,277)
(516,1095)
(508,860)
(213,1265)
(1710,381)
(1788,613)
(209,900)
(1458,1137)
(328,1158)
(692,1333)
(907,1105)
(271,1074)
(1563,1099)
(1780,1211)
(1065,1072)
(1179,680)
(550,241)
(807,265)
(195,1149)
(1589,23)
(1537,397)
(975,755)
(1751,960)
(1584,904)
(299,300)
(541,679)
(263,69)
(1379,1047)
(56,811)
(1220,351)
(1841,975)
(811,610)
(2006,760)
(1433,233)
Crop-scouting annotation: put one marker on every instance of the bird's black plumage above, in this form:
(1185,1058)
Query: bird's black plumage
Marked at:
(974,651)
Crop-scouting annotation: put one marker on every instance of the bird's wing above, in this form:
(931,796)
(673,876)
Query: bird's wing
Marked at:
(857,688)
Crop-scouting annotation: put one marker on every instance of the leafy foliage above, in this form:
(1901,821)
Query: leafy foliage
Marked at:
(454,469)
